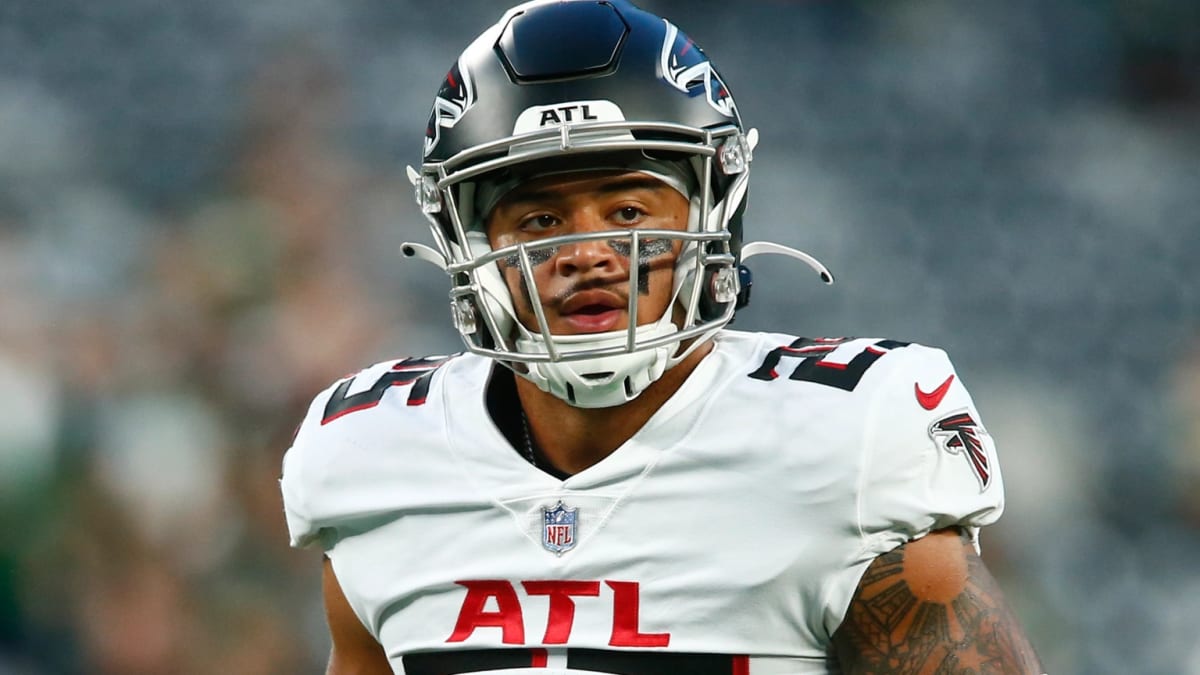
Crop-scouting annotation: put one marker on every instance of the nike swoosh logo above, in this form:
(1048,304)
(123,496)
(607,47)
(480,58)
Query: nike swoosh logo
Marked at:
(931,400)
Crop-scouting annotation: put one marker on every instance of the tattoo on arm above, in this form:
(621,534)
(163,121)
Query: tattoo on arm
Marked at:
(932,607)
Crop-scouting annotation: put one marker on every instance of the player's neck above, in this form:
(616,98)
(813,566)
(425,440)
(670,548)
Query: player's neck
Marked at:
(572,439)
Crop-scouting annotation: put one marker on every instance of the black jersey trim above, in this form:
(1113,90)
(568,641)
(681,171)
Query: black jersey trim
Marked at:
(454,662)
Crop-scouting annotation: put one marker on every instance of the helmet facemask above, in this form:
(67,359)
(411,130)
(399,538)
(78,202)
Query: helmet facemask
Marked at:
(592,370)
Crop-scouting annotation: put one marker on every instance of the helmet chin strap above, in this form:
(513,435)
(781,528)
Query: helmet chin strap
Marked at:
(602,381)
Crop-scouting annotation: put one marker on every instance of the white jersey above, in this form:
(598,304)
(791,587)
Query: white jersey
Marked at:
(727,536)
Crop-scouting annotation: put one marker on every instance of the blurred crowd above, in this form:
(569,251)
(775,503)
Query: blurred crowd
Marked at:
(201,208)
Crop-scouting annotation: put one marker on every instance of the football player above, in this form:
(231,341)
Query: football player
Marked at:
(609,480)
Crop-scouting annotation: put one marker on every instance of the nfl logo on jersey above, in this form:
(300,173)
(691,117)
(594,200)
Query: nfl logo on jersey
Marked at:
(558,528)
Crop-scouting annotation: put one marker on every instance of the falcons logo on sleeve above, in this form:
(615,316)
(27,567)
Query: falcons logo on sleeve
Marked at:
(961,434)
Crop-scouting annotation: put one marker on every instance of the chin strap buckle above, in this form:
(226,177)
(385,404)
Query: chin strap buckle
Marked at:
(463,311)
(734,155)
(724,285)
(427,194)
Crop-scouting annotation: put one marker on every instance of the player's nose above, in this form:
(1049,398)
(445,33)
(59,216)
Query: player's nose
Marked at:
(592,254)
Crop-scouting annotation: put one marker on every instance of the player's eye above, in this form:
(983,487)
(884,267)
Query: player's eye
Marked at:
(628,215)
(538,223)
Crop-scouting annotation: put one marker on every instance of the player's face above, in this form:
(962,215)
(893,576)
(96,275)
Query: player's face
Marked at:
(584,287)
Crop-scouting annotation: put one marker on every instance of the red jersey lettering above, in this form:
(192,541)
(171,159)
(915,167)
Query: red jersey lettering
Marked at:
(507,616)
(560,620)
(625,630)
(562,607)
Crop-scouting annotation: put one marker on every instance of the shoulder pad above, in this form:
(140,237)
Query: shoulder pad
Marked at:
(327,445)
(835,362)
(366,388)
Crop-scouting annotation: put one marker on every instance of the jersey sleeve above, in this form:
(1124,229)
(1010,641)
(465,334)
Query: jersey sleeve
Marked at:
(927,463)
(326,474)
(300,483)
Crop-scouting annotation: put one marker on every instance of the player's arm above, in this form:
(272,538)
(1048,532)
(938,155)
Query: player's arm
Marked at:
(355,651)
(931,606)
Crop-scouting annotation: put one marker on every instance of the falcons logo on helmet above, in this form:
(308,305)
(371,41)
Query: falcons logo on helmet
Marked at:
(685,67)
(454,99)
(961,434)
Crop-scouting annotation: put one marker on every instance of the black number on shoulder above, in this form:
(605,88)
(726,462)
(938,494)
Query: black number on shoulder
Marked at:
(417,372)
(814,366)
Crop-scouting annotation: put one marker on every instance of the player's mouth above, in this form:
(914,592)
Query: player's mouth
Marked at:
(593,311)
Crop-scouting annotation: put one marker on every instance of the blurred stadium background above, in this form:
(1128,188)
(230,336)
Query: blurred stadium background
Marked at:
(200,211)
